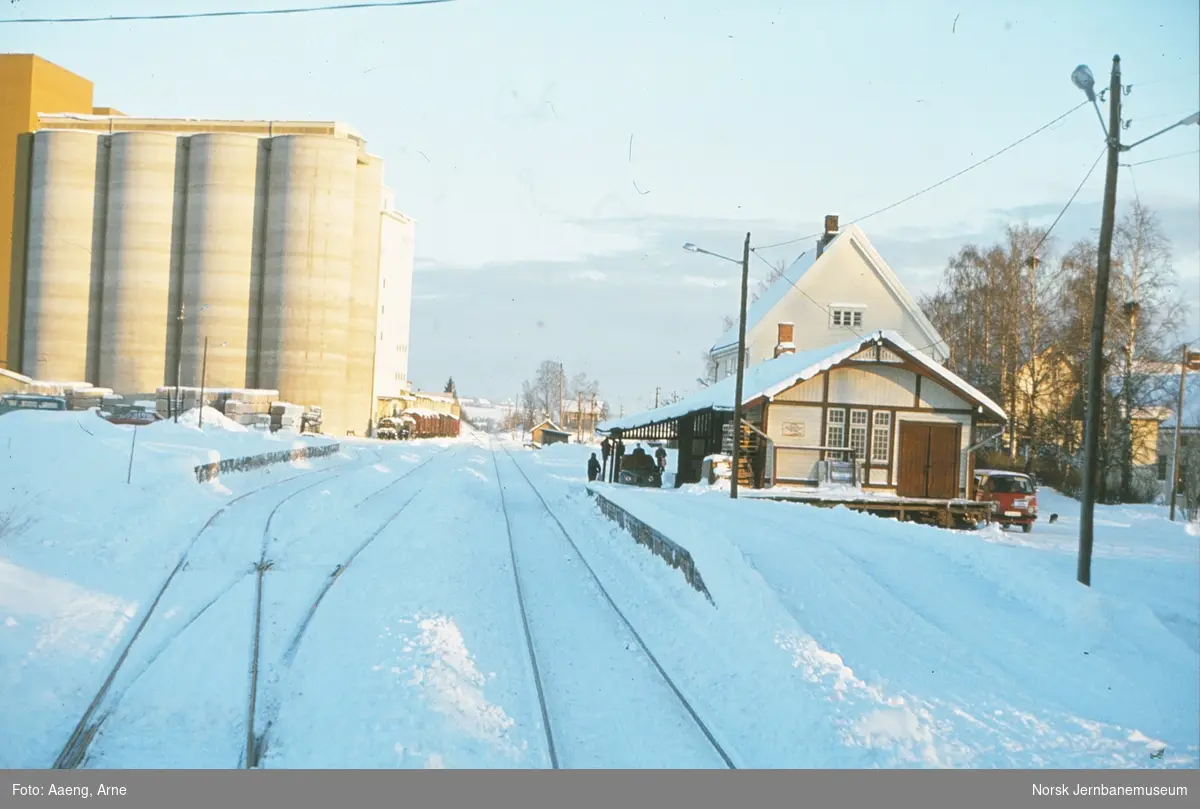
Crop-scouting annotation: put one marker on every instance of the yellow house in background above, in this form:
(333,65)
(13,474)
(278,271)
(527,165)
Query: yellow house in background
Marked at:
(28,85)
(1056,391)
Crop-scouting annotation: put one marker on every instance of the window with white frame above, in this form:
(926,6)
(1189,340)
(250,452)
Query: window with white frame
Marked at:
(881,437)
(845,316)
(835,428)
(858,433)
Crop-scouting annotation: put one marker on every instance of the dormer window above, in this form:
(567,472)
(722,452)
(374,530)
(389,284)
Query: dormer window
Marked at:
(846,317)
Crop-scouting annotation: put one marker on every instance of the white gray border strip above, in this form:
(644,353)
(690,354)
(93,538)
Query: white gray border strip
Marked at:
(212,471)
(661,545)
(585,789)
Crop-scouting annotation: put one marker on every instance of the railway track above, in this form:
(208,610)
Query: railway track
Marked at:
(258,743)
(552,746)
(75,750)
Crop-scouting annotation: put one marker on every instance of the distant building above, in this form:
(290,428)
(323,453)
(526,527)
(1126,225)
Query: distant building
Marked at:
(395,299)
(840,288)
(549,433)
(138,239)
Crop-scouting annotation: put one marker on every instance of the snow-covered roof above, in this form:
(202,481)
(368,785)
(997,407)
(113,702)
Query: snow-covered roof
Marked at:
(549,426)
(13,375)
(433,397)
(785,284)
(1191,404)
(770,378)
(772,295)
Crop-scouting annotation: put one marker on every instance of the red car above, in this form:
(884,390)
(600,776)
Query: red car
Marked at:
(1014,494)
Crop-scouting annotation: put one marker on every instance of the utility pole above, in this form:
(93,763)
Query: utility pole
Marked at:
(1083,79)
(562,379)
(1189,361)
(656,390)
(741,370)
(1091,443)
(179,365)
(203,378)
(579,416)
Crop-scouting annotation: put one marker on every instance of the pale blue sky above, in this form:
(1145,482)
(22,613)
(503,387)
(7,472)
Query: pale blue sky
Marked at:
(506,126)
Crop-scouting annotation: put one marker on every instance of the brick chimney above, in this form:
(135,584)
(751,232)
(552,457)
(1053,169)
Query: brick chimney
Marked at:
(831,230)
(784,344)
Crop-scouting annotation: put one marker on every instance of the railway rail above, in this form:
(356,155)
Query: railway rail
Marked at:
(552,746)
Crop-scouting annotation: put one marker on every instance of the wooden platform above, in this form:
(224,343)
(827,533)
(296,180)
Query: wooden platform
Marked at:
(944,513)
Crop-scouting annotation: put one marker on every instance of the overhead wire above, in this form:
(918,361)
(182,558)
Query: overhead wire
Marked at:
(940,183)
(1160,159)
(1033,253)
(1045,236)
(194,15)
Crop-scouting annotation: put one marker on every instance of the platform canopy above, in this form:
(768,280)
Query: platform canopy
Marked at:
(767,379)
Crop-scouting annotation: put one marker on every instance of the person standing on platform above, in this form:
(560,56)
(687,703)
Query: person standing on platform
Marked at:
(593,468)
(605,453)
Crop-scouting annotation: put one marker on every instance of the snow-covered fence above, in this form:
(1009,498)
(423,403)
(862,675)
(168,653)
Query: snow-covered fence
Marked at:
(211,471)
(674,555)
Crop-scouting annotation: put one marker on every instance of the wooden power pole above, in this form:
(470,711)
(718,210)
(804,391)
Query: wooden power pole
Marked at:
(741,372)
(1091,441)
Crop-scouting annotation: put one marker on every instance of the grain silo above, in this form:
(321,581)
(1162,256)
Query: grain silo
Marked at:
(364,295)
(264,235)
(62,202)
(306,284)
(136,316)
(218,254)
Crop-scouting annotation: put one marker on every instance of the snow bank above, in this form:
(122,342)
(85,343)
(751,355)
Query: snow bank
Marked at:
(212,417)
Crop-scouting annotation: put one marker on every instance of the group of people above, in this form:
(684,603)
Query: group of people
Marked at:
(615,450)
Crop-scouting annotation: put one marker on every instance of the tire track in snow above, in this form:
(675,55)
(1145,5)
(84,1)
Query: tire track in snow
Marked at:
(256,745)
(666,678)
(76,748)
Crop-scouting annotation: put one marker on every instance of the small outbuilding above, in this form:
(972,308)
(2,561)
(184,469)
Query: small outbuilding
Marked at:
(549,433)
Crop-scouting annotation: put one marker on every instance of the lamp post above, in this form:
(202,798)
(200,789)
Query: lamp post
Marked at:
(179,360)
(741,357)
(203,379)
(1082,78)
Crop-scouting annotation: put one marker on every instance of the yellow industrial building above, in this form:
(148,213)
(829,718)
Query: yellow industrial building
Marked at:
(28,85)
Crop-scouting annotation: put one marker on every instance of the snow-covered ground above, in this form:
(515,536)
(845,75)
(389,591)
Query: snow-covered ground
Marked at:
(889,644)
(391,632)
(83,552)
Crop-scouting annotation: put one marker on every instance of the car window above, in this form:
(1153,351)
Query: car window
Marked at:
(1011,485)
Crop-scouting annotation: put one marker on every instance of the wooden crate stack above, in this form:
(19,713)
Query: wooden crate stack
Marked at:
(285,417)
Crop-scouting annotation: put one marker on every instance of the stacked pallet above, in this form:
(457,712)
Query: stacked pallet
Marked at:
(87,398)
(239,404)
(249,408)
(286,417)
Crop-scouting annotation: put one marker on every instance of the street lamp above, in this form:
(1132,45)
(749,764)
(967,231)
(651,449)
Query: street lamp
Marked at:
(1083,79)
(203,379)
(741,358)
(179,360)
